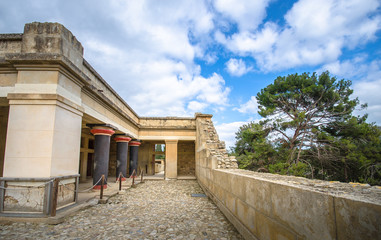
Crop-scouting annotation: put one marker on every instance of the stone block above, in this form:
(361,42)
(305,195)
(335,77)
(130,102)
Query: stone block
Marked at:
(230,202)
(357,220)
(51,38)
(246,215)
(308,213)
(268,229)
(238,186)
(258,195)
(220,194)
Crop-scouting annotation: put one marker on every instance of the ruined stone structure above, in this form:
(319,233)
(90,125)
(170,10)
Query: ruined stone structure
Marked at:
(61,121)
(59,118)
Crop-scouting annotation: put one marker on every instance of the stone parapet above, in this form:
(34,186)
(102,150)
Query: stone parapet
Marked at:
(270,206)
(167,123)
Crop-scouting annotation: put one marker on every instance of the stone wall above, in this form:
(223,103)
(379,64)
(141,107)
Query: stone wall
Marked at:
(269,206)
(208,140)
(10,43)
(186,159)
(145,158)
(32,197)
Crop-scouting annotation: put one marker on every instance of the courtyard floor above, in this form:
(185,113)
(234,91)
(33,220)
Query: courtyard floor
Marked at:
(153,210)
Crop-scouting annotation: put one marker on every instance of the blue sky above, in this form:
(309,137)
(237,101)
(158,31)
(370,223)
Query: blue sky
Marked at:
(175,58)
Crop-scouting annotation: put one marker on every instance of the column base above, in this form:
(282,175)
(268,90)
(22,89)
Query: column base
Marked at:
(98,187)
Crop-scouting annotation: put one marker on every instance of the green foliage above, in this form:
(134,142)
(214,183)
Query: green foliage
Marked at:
(300,169)
(252,148)
(308,130)
(302,104)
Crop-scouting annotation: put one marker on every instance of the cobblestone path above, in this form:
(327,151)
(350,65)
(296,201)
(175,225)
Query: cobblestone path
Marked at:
(153,210)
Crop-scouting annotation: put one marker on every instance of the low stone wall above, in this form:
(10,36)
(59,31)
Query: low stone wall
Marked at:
(270,206)
(33,197)
(267,206)
(24,197)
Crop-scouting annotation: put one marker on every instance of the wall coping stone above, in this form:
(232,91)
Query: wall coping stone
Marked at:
(353,191)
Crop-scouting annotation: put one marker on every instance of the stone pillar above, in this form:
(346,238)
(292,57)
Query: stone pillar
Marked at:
(171,159)
(121,156)
(84,158)
(83,167)
(43,136)
(101,153)
(134,147)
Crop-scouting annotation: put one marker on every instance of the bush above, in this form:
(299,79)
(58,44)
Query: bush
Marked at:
(300,169)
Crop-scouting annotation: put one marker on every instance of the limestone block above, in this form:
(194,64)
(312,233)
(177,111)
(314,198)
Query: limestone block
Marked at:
(10,43)
(268,229)
(220,194)
(238,186)
(258,195)
(171,159)
(65,194)
(230,202)
(246,215)
(357,220)
(219,178)
(7,80)
(309,213)
(30,197)
(52,38)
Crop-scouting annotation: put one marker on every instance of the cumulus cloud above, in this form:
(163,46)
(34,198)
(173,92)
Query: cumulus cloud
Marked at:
(161,41)
(247,14)
(237,67)
(366,80)
(369,92)
(315,32)
(250,106)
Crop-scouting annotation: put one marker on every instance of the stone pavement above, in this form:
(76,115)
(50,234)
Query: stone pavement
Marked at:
(153,210)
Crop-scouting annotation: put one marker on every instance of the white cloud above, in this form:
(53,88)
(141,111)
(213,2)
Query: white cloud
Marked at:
(248,14)
(315,33)
(369,92)
(226,132)
(195,106)
(154,55)
(237,67)
(348,68)
(366,82)
(250,106)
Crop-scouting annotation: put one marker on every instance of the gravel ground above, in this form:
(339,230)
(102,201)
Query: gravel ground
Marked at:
(153,210)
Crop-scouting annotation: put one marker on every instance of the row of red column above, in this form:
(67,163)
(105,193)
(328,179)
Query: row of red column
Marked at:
(102,141)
